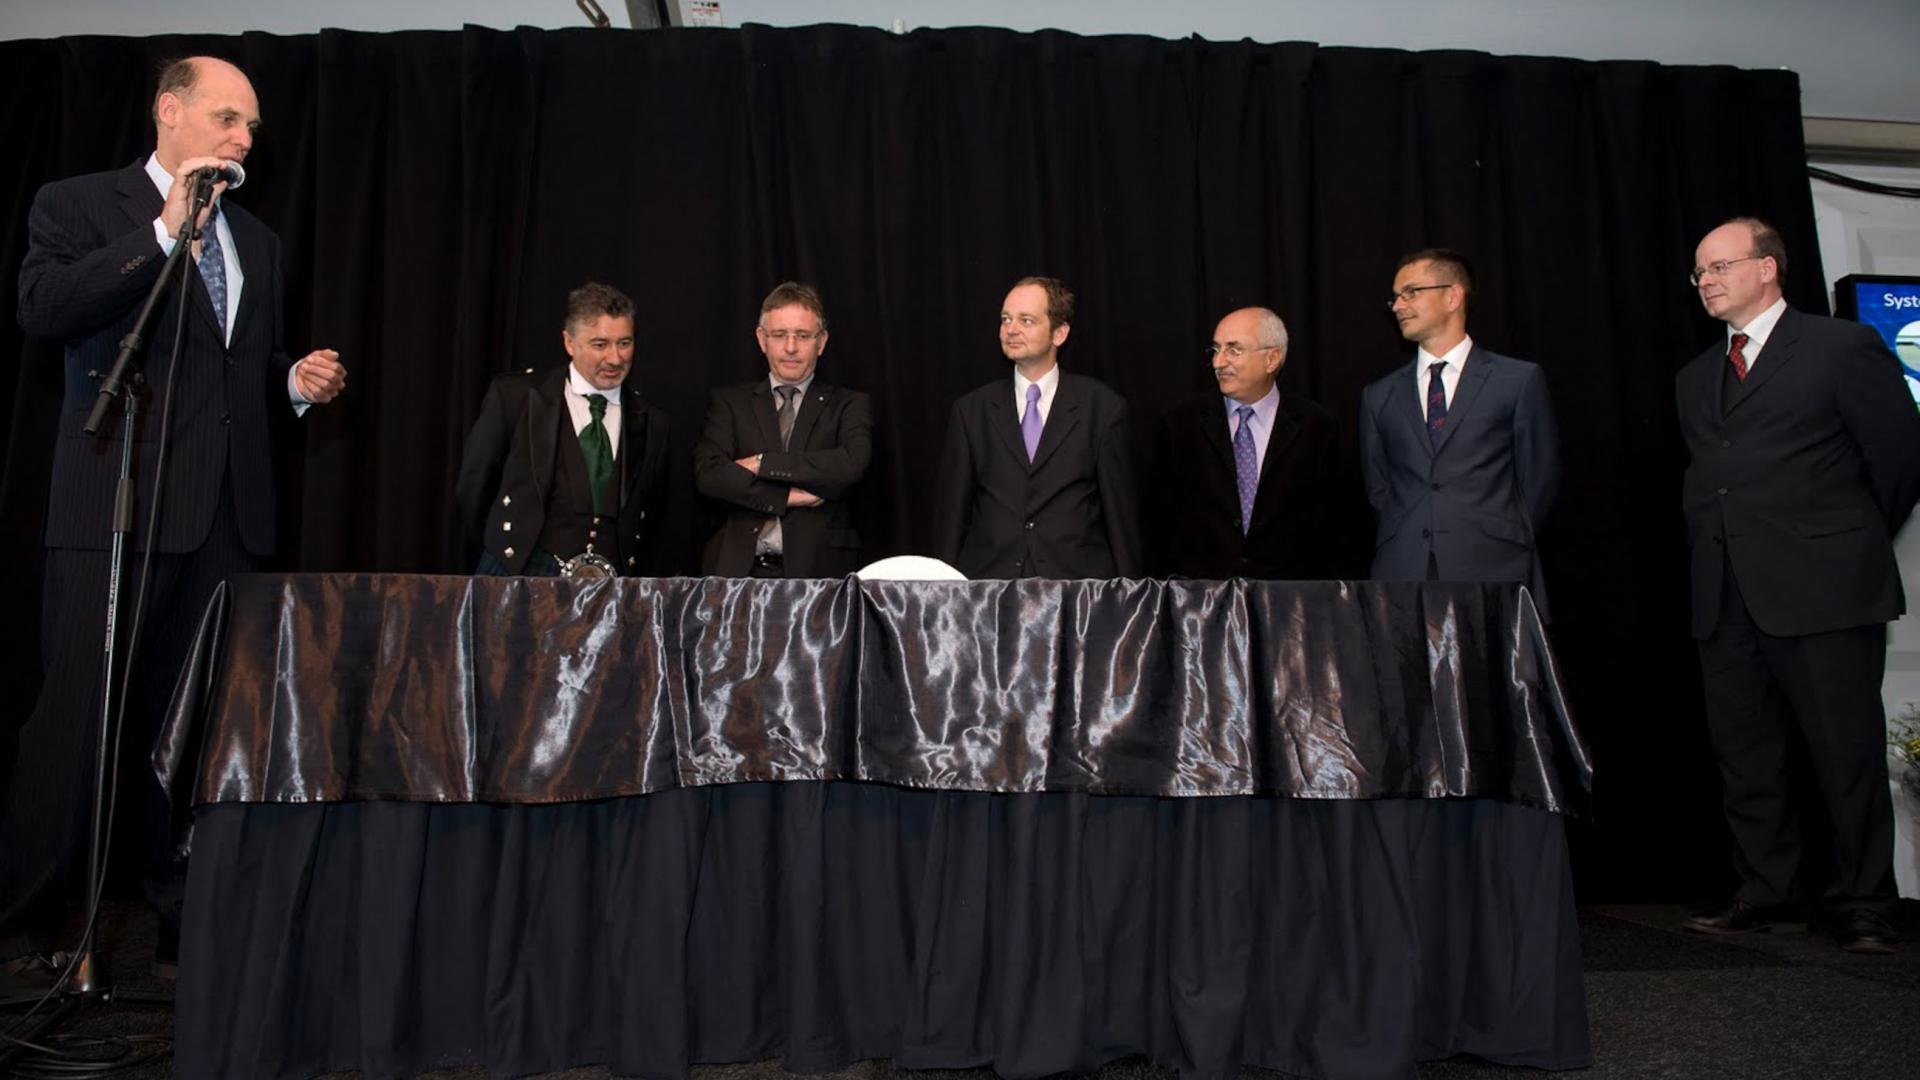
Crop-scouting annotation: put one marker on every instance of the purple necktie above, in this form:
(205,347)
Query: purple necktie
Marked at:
(1436,403)
(1246,466)
(1030,423)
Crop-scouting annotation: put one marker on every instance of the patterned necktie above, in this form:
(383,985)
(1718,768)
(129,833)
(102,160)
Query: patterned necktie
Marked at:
(1436,403)
(1738,358)
(213,270)
(597,448)
(1030,423)
(1246,466)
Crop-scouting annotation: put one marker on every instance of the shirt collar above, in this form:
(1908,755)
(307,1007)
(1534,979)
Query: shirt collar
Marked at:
(1264,410)
(163,180)
(1760,327)
(1455,358)
(578,384)
(774,382)
(1047,383)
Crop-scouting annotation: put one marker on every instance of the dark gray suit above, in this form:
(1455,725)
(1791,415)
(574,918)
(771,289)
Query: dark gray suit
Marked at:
(1472,504)
(1070,513)
(1799,477)
(827,454)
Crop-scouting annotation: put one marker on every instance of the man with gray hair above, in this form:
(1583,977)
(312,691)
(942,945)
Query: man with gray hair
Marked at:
(1245,478)
(783,455)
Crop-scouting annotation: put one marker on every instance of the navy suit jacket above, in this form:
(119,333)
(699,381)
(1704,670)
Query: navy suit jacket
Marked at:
(508,464)
(91,258)
(1800,478)
(1070,513)
(831,444)
(1475,500)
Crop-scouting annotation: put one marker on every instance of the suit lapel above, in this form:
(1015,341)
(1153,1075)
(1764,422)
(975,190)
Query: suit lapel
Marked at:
(1412,408)
(1777,353)
(817,396)
(1213,432)
(141,202)
(547,423)
(1285,431)
(1062,418)
(766,415)
(250,245)
(1473,378)
(1003,417)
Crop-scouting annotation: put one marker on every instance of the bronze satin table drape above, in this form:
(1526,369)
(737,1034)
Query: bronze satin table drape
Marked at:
(1035,825)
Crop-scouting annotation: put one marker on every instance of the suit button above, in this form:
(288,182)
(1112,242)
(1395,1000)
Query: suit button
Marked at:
(227,420)
(630,561)
(1722,491)
(506,526)
(508,553)
(1019,564)
(593,534)
(1426,534)
(506,500)
(1029,524)
(1436,487)
(1726,443)
(1718,540)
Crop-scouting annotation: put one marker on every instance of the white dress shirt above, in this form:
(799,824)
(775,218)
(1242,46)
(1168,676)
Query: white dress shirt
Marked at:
(1423,361)
(1048,384)
(1757,331)
(577,390)
(1260,423)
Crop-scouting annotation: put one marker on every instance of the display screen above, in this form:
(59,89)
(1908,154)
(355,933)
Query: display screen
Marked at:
(1890,305)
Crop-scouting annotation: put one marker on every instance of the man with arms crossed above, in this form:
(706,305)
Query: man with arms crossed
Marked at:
(784,454)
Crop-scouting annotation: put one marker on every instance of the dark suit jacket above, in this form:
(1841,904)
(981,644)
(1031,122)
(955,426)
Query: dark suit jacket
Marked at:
(828,453)
(507,468)
(1197,498)
(1801,478)
(1476,501)
(1071,513)
(91,258)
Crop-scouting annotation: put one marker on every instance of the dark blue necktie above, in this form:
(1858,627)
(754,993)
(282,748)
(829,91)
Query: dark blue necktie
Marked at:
(1436,403)
(213,270)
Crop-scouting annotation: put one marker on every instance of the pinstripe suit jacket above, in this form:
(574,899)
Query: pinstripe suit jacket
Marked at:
(91,258)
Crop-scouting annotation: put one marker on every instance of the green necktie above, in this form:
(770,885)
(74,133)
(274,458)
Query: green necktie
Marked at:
(597,448)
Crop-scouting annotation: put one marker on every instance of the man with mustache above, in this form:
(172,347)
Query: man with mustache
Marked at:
(1246,477)
(565,470)
(1036,478)
(1804,461)
(1461,453)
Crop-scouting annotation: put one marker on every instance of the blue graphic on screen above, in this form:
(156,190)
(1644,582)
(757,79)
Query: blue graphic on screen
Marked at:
(1893,308)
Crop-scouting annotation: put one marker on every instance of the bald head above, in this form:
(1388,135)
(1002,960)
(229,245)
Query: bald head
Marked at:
(204,107)
(1249,345)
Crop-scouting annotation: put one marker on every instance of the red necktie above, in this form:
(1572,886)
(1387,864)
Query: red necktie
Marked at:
(1738,359)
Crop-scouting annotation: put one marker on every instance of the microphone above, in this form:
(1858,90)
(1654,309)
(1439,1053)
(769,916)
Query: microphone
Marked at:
(230,171)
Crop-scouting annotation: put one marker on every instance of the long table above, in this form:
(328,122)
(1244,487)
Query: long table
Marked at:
(1032,825)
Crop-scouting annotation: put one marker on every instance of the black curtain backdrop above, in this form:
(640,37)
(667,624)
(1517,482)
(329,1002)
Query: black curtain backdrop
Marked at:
(438,193)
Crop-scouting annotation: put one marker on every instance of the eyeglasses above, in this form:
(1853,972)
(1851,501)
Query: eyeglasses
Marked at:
(1410,292)
(1717,269)
(1236,350)
(802,338)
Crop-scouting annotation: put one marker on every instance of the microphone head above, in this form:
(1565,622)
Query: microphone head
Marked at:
(233,174)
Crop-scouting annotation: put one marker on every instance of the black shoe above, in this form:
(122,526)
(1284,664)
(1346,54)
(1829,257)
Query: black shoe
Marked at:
(1738,917)
(1868,932)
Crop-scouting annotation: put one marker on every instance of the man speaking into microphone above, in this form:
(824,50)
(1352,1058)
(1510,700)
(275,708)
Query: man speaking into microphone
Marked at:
(96,245)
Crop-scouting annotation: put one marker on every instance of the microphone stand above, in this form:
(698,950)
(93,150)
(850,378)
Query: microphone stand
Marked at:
(87,973)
